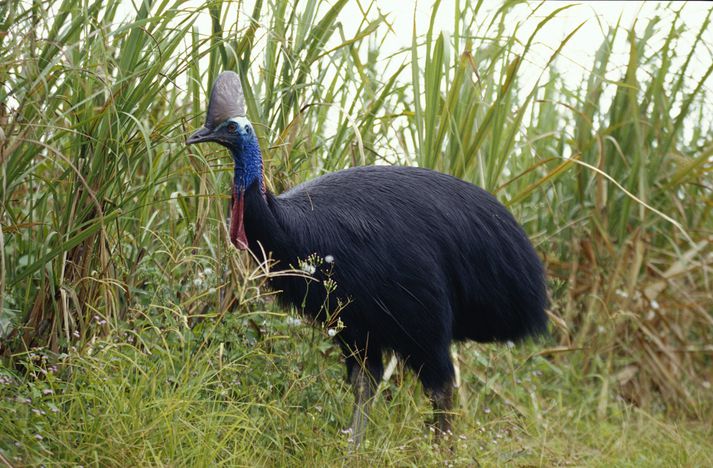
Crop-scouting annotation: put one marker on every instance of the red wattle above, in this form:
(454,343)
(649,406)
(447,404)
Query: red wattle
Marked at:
(237,227)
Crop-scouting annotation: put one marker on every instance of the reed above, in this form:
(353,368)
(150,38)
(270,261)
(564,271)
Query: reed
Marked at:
(111,228)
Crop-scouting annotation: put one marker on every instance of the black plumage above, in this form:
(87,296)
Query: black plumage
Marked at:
(419,258)
(405,238)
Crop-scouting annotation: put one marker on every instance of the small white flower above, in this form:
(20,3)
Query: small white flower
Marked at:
(308,268)
(208,271)
(75,333)
(331,332)
(329,259)
(38,437)
(486,410)
(601,329)
(293,321)
(198,282)
(655,305)
(211,291)
(510,344)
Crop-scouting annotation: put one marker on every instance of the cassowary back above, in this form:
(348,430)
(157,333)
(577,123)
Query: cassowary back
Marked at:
(415,252)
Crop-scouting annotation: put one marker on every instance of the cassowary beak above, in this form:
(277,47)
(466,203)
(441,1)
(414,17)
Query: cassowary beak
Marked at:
(201,135)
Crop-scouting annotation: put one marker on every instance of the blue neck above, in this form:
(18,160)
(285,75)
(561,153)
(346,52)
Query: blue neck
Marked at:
(248,164)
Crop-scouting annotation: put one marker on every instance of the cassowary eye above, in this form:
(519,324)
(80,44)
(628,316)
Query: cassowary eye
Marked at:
(232,127)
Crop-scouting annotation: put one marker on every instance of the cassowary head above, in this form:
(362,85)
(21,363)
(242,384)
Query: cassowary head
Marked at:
(235,134)
(226,122)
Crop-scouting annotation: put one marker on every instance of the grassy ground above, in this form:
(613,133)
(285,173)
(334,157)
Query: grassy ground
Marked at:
(132,333)
(169,396)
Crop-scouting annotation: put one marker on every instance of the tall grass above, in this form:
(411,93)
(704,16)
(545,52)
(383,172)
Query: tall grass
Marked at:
(86,159)
(624,218)
(108,221)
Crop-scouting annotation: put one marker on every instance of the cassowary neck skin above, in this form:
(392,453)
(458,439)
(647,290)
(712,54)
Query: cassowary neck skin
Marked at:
(247,158)
(238,136)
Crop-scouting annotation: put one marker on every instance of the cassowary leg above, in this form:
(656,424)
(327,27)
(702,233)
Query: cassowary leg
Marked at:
(442,400)
(437,376)
(364,391)
(364,375)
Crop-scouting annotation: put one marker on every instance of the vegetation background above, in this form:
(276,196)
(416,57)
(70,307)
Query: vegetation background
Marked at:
(133,334)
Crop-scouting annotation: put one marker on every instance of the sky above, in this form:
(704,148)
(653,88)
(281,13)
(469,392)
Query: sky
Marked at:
(576,57)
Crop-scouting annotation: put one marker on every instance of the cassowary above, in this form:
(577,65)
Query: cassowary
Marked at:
(419,258)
